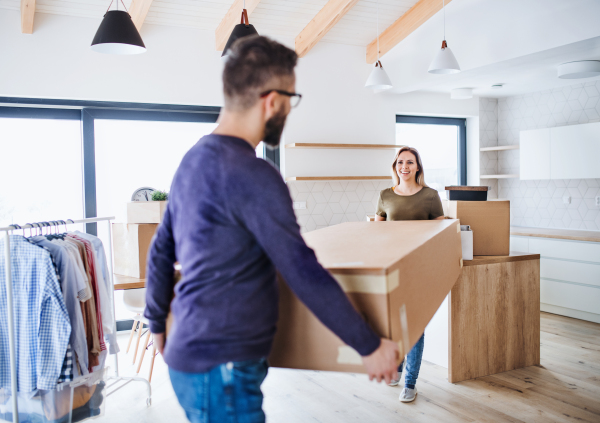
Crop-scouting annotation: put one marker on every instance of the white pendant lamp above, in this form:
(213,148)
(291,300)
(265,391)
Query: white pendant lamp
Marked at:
(378,80)
(444,62)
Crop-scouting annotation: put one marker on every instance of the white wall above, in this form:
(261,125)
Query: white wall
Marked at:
(539,203)
(181,66)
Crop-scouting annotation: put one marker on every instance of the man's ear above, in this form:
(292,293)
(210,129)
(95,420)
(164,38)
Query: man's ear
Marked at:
(270,105)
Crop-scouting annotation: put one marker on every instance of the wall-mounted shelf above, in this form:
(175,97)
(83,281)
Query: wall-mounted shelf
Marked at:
(511,175)
(357,146)
(500,148)
(338,178)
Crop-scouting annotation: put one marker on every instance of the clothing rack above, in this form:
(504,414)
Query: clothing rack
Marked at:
(11,326)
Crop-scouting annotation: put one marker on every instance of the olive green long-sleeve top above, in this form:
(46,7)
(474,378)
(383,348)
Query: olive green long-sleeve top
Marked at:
(424,205)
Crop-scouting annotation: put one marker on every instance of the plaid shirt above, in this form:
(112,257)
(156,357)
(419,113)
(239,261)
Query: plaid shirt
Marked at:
(41,319)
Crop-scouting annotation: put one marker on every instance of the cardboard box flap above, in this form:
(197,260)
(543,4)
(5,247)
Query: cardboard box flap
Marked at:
(371,247)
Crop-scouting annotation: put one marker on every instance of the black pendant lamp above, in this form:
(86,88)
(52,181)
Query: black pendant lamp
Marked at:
(243,29)
(117,34)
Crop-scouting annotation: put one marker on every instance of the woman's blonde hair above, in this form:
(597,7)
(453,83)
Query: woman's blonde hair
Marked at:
(420,178)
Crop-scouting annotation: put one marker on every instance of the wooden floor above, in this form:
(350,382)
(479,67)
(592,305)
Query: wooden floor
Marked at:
(565,388)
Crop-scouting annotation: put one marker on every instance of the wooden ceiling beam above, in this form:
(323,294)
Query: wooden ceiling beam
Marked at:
(231,19)
(403,27)
(27,14)
(320,25)
(138,11)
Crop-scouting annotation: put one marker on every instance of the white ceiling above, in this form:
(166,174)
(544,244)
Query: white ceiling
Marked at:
(516,42)
(285,18)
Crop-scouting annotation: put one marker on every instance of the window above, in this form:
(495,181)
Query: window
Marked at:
(75,159)
(441,142)
(40,167)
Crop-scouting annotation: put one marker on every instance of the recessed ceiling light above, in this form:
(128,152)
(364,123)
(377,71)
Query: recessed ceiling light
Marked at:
(497,86)
(580,69)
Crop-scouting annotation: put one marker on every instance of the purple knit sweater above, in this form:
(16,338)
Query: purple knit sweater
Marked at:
(230,224)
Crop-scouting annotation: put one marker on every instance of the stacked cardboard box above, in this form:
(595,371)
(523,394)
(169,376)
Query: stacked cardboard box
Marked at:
(131,242)
(490,223)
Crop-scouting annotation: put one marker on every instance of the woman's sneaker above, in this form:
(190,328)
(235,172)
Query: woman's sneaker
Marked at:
(408,395)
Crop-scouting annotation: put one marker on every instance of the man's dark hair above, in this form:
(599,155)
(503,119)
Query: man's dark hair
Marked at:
(256,64)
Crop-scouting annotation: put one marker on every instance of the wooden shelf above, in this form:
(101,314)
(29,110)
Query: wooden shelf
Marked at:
(511,175)
(361,146)
(338,178)
(500,148)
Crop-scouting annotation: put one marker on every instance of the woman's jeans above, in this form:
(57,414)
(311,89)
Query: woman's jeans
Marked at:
(228,393)
(413,364)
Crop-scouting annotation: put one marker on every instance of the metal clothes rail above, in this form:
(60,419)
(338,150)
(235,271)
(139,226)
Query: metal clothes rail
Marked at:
(11,326)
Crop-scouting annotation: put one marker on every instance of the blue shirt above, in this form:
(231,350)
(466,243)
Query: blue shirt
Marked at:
(41,320)
(230,224)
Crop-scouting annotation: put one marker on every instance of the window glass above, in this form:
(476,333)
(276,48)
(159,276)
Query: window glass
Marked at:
(438,147)
(40,171)
(135,154)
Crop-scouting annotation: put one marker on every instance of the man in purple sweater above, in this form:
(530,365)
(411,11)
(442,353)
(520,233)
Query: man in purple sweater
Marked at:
(230,224)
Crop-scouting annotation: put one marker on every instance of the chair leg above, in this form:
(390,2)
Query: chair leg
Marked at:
(152,362)
(143,352)
(133,329)
(138,342)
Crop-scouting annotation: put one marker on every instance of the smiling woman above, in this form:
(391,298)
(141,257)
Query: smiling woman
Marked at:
(409,199)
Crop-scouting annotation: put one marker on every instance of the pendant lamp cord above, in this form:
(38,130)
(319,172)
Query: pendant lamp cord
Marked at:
(377,30)
(443,7)
(111,2)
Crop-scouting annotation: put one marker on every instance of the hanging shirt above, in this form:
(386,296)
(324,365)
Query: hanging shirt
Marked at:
(95,284)
(106,288)
(88,309)
(42,325)
(72,284)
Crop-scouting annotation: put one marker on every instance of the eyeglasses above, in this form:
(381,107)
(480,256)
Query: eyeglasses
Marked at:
(294,97)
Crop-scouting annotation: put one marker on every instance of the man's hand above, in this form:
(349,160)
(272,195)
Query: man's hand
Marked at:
(382,364)
(159,340)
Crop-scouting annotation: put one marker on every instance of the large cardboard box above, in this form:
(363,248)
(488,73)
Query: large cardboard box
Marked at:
(146,211)
(396,274)
(131,243)
(490,223)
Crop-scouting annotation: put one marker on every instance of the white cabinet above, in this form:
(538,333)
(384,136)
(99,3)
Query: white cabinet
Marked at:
(565,152)
(535,154)
(569,275)
(575,151)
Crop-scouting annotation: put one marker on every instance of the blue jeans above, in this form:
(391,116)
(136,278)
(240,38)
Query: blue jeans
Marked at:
(228,393)
(413,364)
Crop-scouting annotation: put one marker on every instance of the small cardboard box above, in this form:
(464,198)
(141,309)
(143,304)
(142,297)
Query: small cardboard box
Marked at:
(146,211)
(490,223)
(131,243)
(396,274)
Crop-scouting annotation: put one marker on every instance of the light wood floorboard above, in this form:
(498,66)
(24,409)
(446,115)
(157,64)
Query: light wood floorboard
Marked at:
(565,388)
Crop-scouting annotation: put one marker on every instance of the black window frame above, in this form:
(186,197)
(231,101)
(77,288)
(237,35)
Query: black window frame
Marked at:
(461,123)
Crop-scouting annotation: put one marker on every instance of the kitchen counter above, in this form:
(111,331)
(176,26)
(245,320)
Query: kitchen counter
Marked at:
(574,235)
(512,257)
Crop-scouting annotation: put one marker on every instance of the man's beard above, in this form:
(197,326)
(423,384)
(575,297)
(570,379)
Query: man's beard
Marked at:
(274,129)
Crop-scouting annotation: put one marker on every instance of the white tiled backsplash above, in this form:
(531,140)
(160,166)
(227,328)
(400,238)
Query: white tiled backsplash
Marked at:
(540,203)
(488,137)
(332,202)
